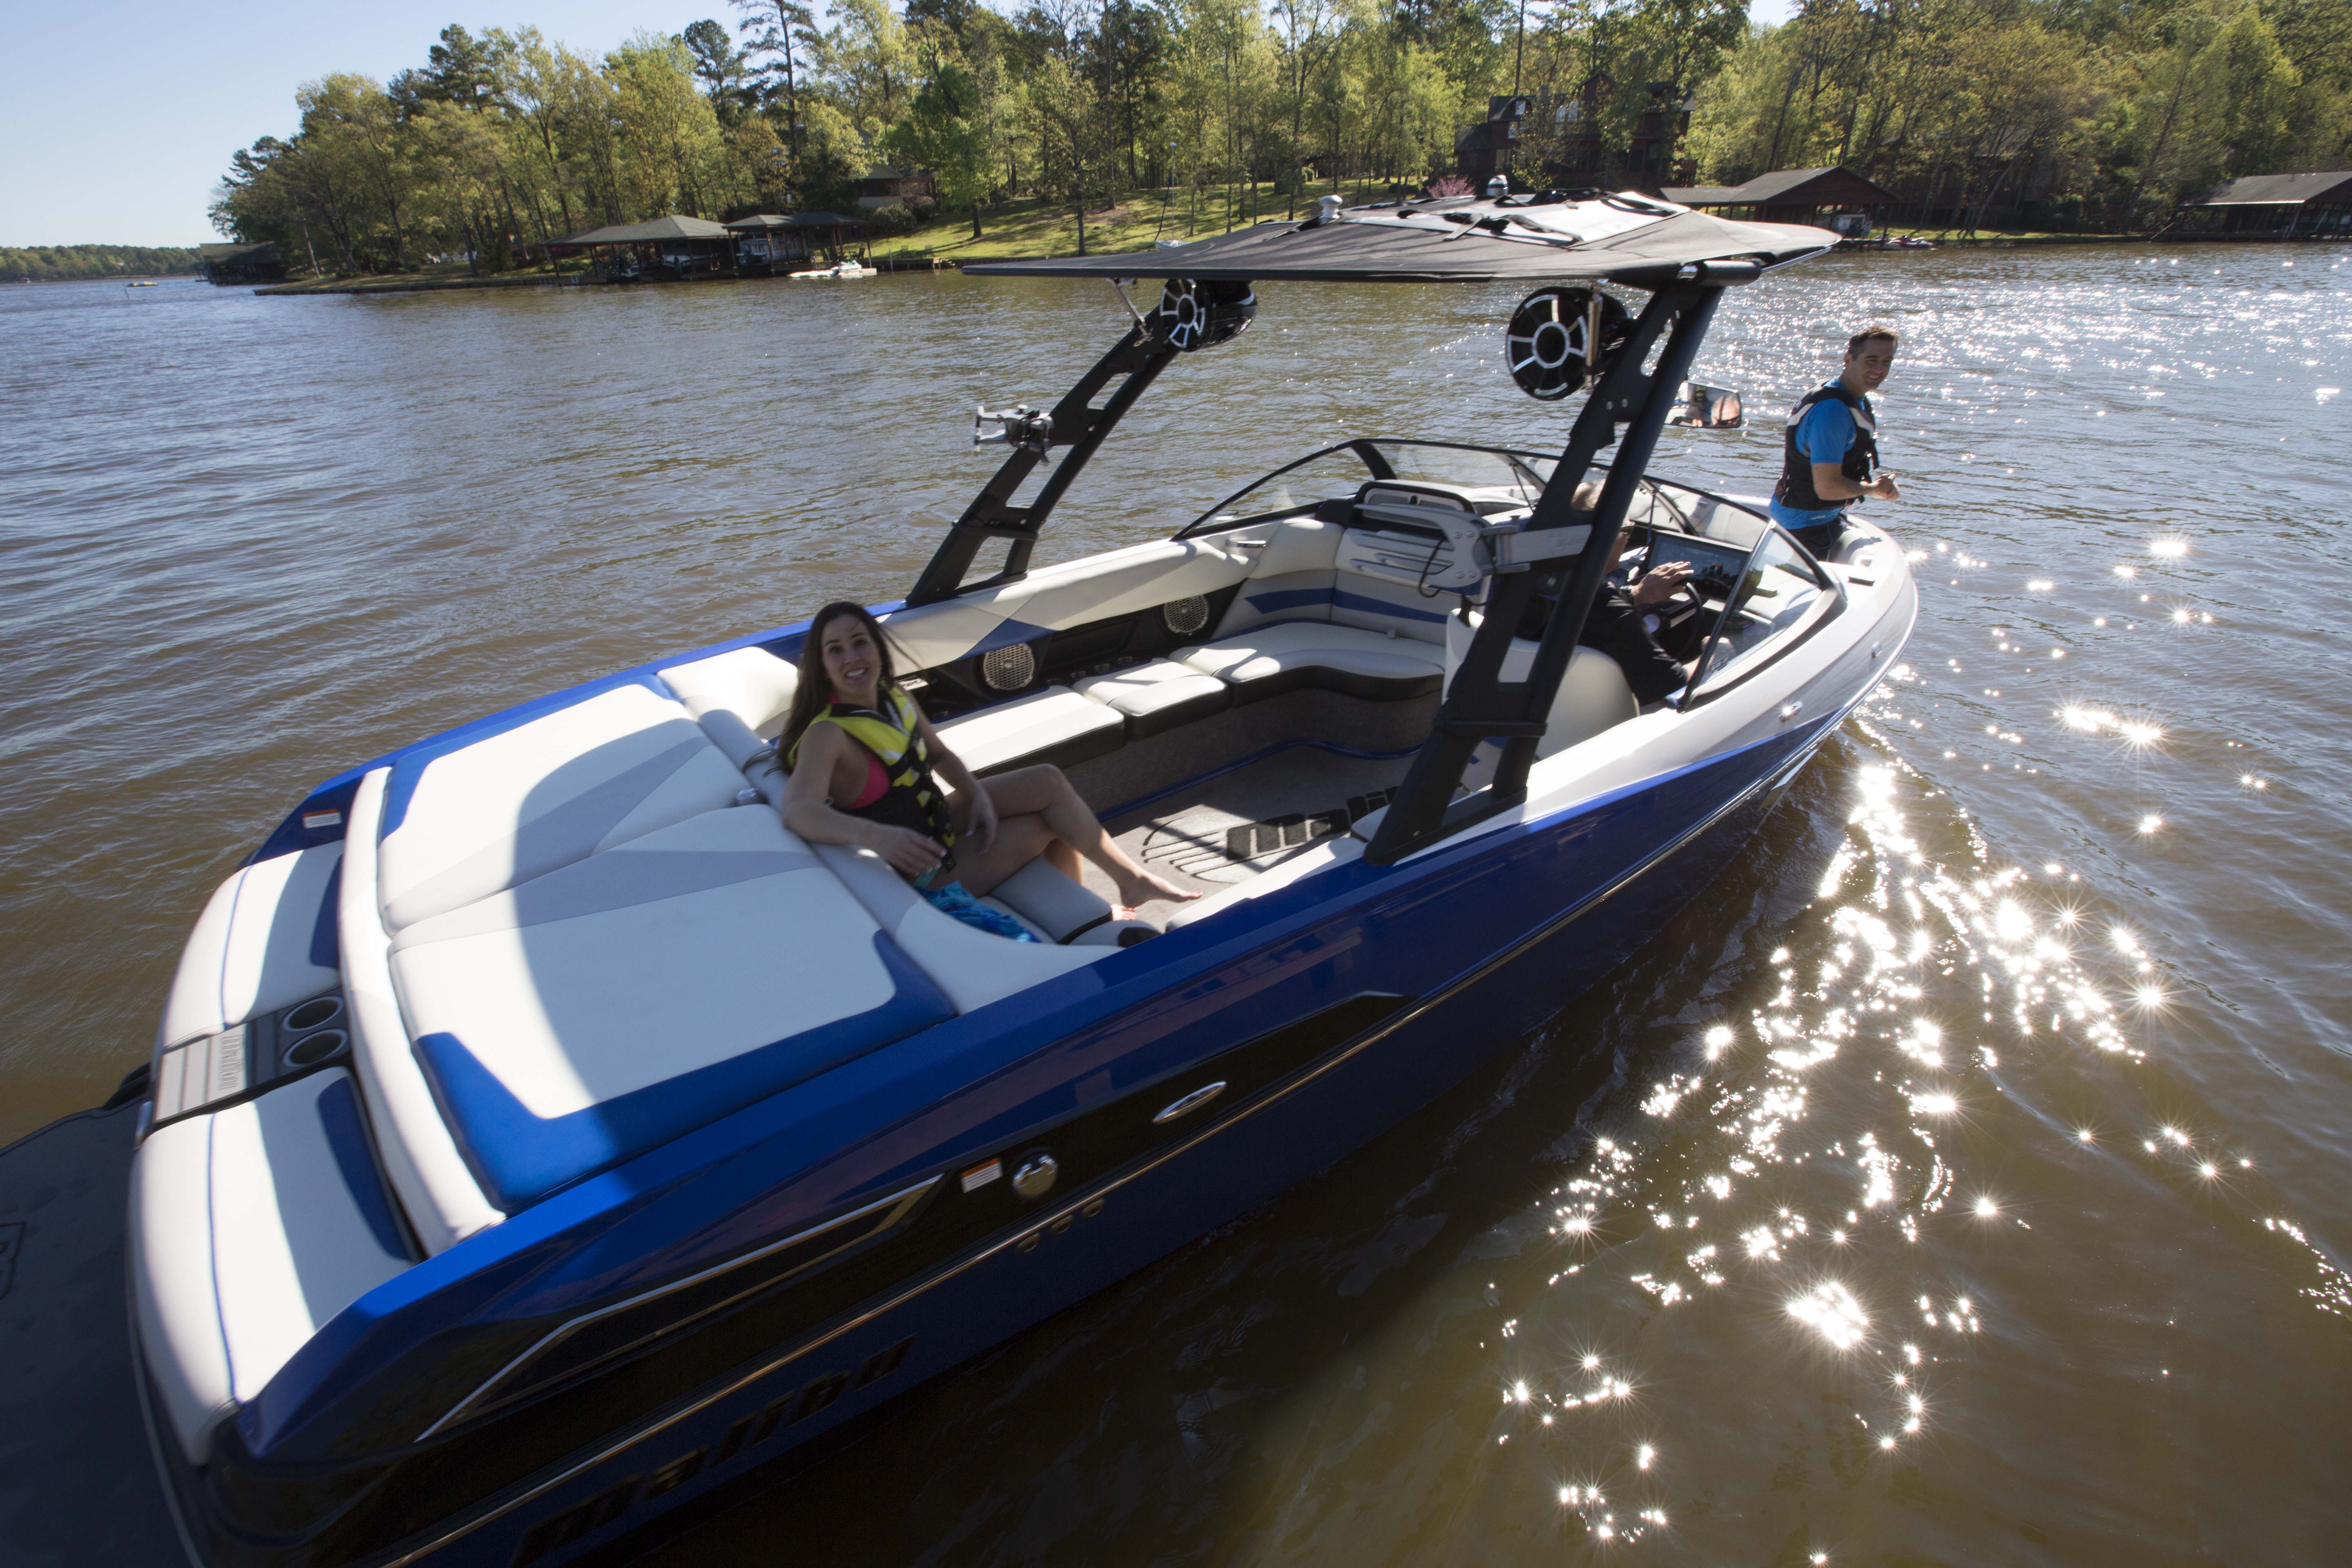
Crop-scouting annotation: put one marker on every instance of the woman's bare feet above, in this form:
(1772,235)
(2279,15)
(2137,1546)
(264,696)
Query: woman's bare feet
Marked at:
(1143,888)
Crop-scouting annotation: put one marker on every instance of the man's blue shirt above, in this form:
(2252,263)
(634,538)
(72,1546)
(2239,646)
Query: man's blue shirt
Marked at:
(1823,435)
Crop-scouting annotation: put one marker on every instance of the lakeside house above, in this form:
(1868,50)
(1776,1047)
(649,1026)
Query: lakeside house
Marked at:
(2310,204)
(1548,138)
(1834,197)
(886,187)
(233,263)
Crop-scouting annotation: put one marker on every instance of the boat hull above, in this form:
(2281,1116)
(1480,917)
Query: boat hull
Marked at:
(1338,1006)
(1536,952)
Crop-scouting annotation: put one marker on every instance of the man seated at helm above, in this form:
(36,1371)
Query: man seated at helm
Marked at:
(1627,619)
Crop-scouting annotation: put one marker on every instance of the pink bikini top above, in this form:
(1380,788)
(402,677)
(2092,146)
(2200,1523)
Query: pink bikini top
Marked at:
(877,783)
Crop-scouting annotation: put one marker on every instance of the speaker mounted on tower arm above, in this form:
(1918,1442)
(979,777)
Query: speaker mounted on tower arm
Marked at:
(1561,340)
(1197,314)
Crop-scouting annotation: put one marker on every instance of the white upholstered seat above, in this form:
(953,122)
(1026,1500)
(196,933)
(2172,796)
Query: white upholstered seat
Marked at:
(1291,655)
(740,698)
(251,1228)
(1055,725)
(265,939)
(443,1203)
(973,967)
(1158,696)
(587,1016)
(470,816)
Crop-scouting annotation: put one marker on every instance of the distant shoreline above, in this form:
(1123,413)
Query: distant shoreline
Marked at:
(116,277)
(1040,240)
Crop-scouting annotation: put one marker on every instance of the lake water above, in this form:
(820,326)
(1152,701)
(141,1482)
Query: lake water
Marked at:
(1964,1180)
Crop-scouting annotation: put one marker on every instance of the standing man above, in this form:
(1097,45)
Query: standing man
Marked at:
(1830,453)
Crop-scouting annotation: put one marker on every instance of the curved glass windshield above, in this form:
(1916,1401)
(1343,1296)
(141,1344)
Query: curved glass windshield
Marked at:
(1705,516)
(1478,467)
(1339,471)
(1780,594)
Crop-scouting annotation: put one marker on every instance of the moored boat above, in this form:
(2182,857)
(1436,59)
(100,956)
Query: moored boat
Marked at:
(540,1135)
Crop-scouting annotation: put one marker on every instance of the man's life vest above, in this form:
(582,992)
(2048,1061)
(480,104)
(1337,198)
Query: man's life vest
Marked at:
(912,797)
(1795,490)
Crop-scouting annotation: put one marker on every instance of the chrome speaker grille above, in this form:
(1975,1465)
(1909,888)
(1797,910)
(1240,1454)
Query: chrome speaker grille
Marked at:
(1186,616)
(1008,668)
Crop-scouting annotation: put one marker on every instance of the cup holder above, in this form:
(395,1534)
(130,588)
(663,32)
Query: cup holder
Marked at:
(308,1015)
(312,1049)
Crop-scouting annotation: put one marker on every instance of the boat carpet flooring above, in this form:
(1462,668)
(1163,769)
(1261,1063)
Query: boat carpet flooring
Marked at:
(1230,827)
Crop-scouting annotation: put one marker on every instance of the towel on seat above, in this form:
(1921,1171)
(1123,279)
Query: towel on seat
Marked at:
(955,900)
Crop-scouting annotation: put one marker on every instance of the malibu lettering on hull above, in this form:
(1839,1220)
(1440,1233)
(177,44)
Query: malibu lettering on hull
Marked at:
(615,1502)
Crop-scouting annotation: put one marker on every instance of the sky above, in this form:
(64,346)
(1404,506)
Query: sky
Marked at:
(98,156)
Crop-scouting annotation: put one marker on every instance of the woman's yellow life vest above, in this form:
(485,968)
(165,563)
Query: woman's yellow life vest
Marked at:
(912,797)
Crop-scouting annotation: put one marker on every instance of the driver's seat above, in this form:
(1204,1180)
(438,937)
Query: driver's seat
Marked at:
(1593,695)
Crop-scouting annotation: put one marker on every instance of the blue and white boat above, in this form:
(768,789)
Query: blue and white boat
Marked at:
(538,1135)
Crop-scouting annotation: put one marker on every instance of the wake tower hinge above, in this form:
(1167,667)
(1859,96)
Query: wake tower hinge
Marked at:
(1119,286)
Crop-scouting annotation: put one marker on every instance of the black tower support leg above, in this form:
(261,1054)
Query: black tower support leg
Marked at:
(1479,704)
(1078,424)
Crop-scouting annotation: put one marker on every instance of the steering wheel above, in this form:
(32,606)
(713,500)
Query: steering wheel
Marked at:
(1688,593)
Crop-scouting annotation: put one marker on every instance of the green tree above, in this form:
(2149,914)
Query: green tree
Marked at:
(718,65)
(781,37)
(947,131)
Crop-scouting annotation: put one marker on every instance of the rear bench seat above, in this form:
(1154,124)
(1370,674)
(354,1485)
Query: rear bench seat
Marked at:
(573,946)
(607,1008)
(468,818)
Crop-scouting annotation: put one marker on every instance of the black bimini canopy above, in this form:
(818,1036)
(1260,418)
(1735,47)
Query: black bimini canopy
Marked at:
(1630,238)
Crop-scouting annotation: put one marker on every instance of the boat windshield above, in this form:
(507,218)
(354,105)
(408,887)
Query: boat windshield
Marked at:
(1780,596)
(1339,471)
(1481,466)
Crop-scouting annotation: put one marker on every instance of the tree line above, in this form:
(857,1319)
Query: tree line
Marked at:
(63,263)
(2107,113)
(2115,110)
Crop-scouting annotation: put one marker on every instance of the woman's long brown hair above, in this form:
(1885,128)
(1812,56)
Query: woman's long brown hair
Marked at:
(816,688)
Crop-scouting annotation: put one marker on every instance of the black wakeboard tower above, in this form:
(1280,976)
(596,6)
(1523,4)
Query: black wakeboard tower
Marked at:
(1561,338)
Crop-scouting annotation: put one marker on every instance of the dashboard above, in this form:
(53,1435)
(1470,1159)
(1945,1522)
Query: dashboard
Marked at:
(1715,567)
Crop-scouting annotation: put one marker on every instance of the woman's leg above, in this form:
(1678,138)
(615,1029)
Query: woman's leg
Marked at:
(1018,841)
(1044,793)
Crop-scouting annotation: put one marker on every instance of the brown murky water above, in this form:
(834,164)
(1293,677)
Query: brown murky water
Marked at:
(1965,1180)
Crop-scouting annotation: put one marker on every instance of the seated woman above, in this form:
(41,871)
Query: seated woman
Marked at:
(866,766)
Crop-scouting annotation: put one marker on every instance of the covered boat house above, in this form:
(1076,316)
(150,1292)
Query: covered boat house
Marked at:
(829,237)
(765,242)
(2311,205)
(669,247)
(1817,196)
